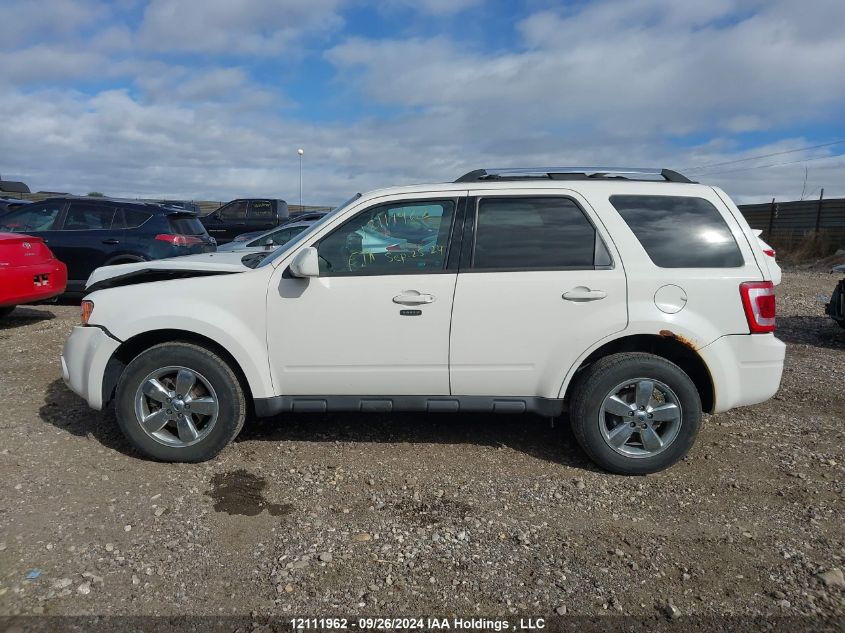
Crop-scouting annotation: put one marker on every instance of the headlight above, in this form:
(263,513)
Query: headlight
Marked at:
(87,309)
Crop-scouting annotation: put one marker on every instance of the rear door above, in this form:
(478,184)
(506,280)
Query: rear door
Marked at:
(539,283)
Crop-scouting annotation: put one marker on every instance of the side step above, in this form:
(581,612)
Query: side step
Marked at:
(268,407)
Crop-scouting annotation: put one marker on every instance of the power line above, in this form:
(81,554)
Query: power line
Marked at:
(791,162)
(742,160)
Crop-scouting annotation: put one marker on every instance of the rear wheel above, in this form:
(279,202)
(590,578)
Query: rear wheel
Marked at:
(180,402)
(6,311)
(635,413)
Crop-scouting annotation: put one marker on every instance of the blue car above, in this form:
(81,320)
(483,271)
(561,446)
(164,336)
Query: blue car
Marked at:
(86,233)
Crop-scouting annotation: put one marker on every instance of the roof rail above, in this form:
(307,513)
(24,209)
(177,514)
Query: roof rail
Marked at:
(570,173)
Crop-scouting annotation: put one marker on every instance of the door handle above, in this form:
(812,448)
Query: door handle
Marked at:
(582,293)
(111,241)
(413,298)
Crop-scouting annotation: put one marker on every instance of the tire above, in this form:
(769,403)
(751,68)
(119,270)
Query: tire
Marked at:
(6,311)
(215,389)
(595,427)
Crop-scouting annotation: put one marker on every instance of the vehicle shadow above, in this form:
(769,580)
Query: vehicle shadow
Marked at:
(818,331)
(22,316)
(66,411)
(529,434)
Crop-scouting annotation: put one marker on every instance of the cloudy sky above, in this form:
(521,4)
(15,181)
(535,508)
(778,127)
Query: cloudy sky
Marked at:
(209,99)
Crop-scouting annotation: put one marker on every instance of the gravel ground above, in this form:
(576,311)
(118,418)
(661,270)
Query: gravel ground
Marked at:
(415,515)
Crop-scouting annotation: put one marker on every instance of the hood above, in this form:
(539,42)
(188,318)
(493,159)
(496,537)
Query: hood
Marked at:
(172,268)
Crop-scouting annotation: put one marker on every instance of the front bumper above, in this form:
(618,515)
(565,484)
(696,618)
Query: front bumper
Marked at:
(86,353)
(746,369)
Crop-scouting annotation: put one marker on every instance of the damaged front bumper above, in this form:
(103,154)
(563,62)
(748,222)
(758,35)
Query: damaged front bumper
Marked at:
(86,353)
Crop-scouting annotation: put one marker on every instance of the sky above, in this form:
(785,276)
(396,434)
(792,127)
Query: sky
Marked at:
(210,99)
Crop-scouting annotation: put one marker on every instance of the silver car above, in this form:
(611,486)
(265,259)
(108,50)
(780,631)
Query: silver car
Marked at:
(270,240)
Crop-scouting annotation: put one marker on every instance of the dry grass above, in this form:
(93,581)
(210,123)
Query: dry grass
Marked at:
(810,248)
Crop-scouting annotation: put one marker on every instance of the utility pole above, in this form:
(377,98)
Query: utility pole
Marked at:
(300,151)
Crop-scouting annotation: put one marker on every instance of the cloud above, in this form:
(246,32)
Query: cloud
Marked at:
(635,68)
(189,99)
(246,27)
(439,7)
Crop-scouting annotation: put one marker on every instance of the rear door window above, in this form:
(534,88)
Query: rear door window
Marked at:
(680,231)
(536,233)
(262,210)
(83,216)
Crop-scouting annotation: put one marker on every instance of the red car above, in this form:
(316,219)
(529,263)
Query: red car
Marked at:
(29,272)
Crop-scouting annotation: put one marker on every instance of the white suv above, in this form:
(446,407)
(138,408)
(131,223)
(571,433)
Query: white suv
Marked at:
(633,299)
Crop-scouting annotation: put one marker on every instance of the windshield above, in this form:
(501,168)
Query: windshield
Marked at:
(284,248)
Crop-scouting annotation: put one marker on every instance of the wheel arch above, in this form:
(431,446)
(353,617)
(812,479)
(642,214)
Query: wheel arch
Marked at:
(135,345)
(672,348)
(125,258)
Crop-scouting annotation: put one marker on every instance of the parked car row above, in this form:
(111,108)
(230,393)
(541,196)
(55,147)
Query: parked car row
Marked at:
(86,233)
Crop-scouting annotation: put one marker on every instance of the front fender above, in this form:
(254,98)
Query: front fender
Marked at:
(227,309)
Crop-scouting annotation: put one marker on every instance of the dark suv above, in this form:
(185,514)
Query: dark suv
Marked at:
(245,215)
(86,233)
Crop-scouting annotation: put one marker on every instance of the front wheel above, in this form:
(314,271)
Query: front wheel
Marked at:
(180,402)
(635,413)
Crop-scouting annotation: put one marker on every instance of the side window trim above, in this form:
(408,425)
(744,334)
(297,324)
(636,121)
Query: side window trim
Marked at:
(467,264)
(445,268)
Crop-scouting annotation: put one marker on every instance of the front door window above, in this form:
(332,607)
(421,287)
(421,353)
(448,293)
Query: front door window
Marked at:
(390,239)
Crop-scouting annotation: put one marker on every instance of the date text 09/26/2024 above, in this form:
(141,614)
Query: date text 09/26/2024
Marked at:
(424,624)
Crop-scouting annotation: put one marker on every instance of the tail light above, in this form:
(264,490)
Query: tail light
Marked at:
(393,248)
(179,240)
(87,309)
(758,300)
(769,251)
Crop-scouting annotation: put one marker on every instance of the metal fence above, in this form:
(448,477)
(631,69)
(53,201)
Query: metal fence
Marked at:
(786,221)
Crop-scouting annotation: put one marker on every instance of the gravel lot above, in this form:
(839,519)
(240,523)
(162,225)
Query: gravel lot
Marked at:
(415,515)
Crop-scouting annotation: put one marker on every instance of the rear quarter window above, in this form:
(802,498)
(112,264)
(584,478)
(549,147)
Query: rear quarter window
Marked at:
(680,231)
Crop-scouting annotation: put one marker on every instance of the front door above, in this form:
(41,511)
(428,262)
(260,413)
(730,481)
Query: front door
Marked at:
(376,320)
(537,287)
(228,221)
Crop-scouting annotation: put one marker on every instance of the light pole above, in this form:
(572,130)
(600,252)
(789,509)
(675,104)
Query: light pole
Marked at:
(300,151)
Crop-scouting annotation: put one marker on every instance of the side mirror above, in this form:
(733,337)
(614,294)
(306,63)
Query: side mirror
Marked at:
(306,263)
